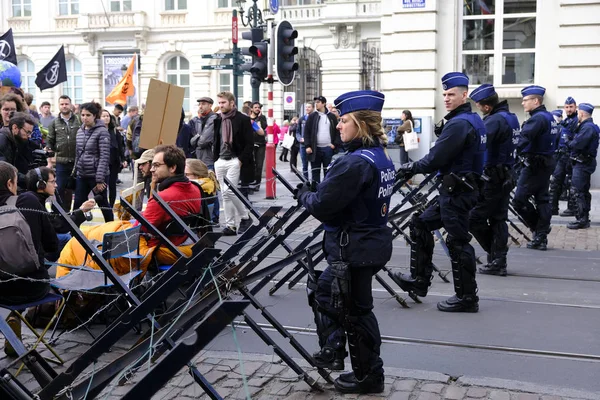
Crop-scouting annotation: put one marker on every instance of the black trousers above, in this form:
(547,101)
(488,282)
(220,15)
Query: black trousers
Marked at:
(534,184)
(580,183)
(259,162)
(360,313)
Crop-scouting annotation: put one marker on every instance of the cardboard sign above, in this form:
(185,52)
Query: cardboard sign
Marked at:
(162,114)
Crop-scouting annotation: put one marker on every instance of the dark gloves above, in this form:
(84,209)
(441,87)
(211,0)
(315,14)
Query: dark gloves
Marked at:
(303,188)
(406,171)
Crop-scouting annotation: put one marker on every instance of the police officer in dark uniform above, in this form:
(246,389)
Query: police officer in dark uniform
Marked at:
(487,220)
(458,156)
(352,202)
(563,160)
(584,148)
(536,147)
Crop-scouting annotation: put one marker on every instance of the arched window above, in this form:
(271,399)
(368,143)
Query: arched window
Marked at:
(73,87)
(27,76)
(178,73)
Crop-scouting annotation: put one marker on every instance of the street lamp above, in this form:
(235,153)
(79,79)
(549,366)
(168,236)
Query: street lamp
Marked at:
(254,17)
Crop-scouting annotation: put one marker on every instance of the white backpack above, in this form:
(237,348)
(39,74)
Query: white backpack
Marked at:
(17,252)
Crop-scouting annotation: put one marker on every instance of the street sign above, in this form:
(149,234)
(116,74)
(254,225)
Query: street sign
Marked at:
(289,100)
(217,67)
(413,3)
(234,29)
(218,56)
(274,5)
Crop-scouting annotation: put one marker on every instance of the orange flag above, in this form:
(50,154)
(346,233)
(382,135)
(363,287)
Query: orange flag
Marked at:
(124,88)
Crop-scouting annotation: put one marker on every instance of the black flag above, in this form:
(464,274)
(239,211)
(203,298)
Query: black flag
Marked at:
(54,72)
(7,47)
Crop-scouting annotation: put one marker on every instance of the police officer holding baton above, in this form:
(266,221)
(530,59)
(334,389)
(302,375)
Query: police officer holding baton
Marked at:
(536,146)
(353,202)
(584,148)
(487,220)
(458,156)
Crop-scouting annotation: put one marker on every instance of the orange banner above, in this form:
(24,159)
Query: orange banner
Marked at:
(124,88)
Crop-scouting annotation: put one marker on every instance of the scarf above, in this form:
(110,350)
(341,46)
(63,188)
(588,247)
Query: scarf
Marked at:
(226,127)
(171,180)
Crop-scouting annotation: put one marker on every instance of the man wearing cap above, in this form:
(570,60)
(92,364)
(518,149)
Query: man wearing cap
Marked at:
(260,145)
(563,169)
(584,148)
(321,139)
(458,157)
(536,147)
(352,201)
(203,131)
(487,221)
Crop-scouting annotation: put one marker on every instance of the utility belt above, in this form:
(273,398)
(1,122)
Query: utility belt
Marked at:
(536,160)
(583,159)
(562,151)
(496,174)
(453,183)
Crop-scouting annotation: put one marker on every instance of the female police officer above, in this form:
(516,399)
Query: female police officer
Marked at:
(352,202)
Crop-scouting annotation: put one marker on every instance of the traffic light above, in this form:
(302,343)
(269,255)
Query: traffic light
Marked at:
(285,53)
(259,52)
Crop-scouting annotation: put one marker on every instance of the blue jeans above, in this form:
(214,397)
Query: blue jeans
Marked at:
(323,157)
(82,190)
(63,172)
(215,201)
(304,159)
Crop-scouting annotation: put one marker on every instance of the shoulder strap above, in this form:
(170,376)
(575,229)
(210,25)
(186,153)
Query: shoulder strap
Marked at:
(12,201)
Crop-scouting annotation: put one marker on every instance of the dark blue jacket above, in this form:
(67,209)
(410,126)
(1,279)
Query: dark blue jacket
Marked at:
(502,129)
(459,148)
(354,198)
(585,143)
(539,134)
(567,131)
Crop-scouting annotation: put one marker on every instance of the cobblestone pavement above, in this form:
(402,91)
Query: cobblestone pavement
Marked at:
(260,376)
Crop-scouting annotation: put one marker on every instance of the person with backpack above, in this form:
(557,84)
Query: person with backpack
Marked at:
(196,171)
(26,234)
(92,159)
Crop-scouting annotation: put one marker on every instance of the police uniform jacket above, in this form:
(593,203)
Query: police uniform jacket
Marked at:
(353,202)
(567,132)
(502,129)
(459,148)
(539,133)
(584,145)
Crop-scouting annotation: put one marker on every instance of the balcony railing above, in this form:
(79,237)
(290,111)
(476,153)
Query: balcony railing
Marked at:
(19,24)
(173,18)
(66,22)
(295,13)
(113,20)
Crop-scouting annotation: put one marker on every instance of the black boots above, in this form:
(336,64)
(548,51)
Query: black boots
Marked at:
(568,213)
(418,285)
(539,242)
(465,303)
(496,267)
(330,358)
(348,383)
(582,223)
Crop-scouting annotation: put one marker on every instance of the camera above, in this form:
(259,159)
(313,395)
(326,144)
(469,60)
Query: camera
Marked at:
(40,158)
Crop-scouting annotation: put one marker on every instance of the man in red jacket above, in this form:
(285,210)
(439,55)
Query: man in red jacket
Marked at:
(167,170)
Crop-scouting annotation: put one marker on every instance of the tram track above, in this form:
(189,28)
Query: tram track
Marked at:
(446,343)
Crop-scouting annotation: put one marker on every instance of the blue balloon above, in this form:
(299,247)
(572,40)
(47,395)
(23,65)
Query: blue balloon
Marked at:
(10,75)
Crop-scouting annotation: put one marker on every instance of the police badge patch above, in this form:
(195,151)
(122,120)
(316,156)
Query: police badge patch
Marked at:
(384,209)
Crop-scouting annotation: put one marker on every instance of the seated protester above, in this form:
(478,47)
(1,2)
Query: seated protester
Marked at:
(42,182)
(197,171)
(168,168)
(43,239)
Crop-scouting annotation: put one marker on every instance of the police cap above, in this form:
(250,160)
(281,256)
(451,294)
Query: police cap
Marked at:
(359,100)
(453,79)
(482,92)
(533,90)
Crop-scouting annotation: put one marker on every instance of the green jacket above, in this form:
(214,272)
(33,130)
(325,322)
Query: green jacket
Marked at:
(62,138)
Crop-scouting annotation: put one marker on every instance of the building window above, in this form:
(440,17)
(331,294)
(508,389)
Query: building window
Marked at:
(301,2)
(498,41)
(178,73)
(370,61)
(21,8)
(73,87)
(27,76)
(226,84)
(68,7)
(120,5)
(172,5)
(225,3)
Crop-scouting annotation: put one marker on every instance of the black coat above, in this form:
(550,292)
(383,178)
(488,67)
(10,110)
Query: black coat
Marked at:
(242,143)
(311,129)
